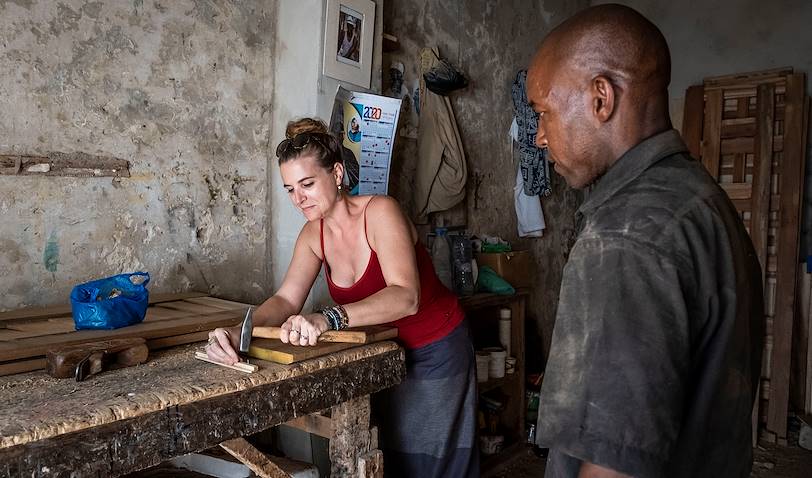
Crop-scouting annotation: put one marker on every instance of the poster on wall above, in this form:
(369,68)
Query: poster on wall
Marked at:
(367,125)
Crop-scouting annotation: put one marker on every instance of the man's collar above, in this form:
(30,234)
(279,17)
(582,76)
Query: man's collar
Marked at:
(631,165)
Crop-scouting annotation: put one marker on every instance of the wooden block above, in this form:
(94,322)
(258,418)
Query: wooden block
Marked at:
(275,351)
(103,355)
(356,335)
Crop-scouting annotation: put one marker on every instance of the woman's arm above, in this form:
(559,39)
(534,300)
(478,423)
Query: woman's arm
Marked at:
(287,301)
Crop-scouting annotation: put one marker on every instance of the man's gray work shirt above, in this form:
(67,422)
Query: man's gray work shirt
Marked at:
(656,350)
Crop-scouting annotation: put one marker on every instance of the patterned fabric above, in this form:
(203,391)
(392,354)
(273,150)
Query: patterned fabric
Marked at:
(428,422)
(533,161)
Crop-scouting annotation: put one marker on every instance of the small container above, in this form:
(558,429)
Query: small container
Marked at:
(491,444)
(483,360)
(510,365)
(496,367)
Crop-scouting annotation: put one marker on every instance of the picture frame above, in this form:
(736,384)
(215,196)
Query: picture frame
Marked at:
(349,30)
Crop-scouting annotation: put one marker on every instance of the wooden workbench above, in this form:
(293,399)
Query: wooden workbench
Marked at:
(130,419)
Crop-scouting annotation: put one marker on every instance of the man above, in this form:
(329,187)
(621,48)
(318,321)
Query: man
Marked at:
(656,350)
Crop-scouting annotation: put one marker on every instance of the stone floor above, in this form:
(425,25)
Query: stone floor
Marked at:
(770,461)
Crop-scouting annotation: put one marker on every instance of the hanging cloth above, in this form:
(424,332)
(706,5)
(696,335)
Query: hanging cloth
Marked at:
(532,160)
(441,170)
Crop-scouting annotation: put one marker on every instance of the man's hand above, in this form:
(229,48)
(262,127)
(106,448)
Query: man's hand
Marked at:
(589,470)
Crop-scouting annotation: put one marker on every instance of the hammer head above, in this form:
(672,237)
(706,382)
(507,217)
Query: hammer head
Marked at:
(245,332)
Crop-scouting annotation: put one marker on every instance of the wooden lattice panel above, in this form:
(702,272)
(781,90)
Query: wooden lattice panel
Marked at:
(748,130)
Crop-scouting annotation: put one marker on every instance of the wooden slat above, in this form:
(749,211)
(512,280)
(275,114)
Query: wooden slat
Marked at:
(762,172)
(63,310)
(314,423)
(189,307)
(711,146)
(20,366)
(173,340)
(156,312)
(37,346)
(254,459)
(791,174)
(738,127)
(693,118)
(737,191)
(753,78)
(219,303)
(357,335)
(736,146)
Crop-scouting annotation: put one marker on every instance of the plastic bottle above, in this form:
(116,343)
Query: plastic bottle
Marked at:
(463,271)
(441,257)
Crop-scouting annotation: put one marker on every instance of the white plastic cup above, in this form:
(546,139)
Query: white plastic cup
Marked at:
(496,367)
(483,360)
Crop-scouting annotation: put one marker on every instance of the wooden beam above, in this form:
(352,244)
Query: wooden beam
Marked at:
(692,119)
(314,423)
(762,173)
(711,140)
(791,176)
(254,459)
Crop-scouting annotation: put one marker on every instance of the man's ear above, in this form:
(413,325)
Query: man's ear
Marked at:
(603,98)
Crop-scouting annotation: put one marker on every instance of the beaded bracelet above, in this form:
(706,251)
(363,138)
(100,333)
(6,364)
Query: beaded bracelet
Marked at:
(336,317)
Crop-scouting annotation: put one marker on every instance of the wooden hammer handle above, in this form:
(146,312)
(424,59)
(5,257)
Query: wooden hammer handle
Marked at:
(342,336)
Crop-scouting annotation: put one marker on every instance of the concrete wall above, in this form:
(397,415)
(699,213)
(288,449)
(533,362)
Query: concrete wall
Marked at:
(196,95)
(181,89)
(489,42)
(719,37)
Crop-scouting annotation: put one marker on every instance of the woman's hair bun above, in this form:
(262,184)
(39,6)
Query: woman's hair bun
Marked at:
(305,125)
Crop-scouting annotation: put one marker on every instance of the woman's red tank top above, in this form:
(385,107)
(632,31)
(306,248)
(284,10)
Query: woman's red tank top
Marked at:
(437,315)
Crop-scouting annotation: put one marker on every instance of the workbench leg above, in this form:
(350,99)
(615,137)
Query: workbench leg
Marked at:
(353,446)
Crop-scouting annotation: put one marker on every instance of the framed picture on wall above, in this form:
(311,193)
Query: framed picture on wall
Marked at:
(348,39)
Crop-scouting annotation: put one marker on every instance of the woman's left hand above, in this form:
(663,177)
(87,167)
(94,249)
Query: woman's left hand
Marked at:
(303,329)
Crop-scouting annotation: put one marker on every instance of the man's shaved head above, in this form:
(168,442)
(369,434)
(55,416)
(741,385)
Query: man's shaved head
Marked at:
(600,81)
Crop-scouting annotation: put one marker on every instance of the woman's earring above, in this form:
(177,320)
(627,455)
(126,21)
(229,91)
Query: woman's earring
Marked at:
(340,187)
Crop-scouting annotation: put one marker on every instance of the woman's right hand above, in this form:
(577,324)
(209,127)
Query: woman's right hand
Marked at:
(222,346)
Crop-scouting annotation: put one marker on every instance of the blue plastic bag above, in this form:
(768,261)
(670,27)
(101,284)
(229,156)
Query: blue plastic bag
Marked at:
(110,303)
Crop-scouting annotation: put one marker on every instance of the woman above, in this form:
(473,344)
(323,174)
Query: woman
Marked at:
(377,272)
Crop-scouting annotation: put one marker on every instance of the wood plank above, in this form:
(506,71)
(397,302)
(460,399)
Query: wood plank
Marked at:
(791,176)
(254,459)
(748,78)
(762,173)
(172,341)
(356,335)
(190,307)
(219,303)
(20,366)
(737,146)
(65,309)
(711,140)
(693,118)
(737,191)
(315,423)
(275,351)
(156,312)
(738,127)
(239,366)
(37,346)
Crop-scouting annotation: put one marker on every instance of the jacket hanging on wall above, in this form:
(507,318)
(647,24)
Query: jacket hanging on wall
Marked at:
(533,160)
(441,170)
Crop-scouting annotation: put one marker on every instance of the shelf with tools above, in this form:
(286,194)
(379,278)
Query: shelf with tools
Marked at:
(502,394)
